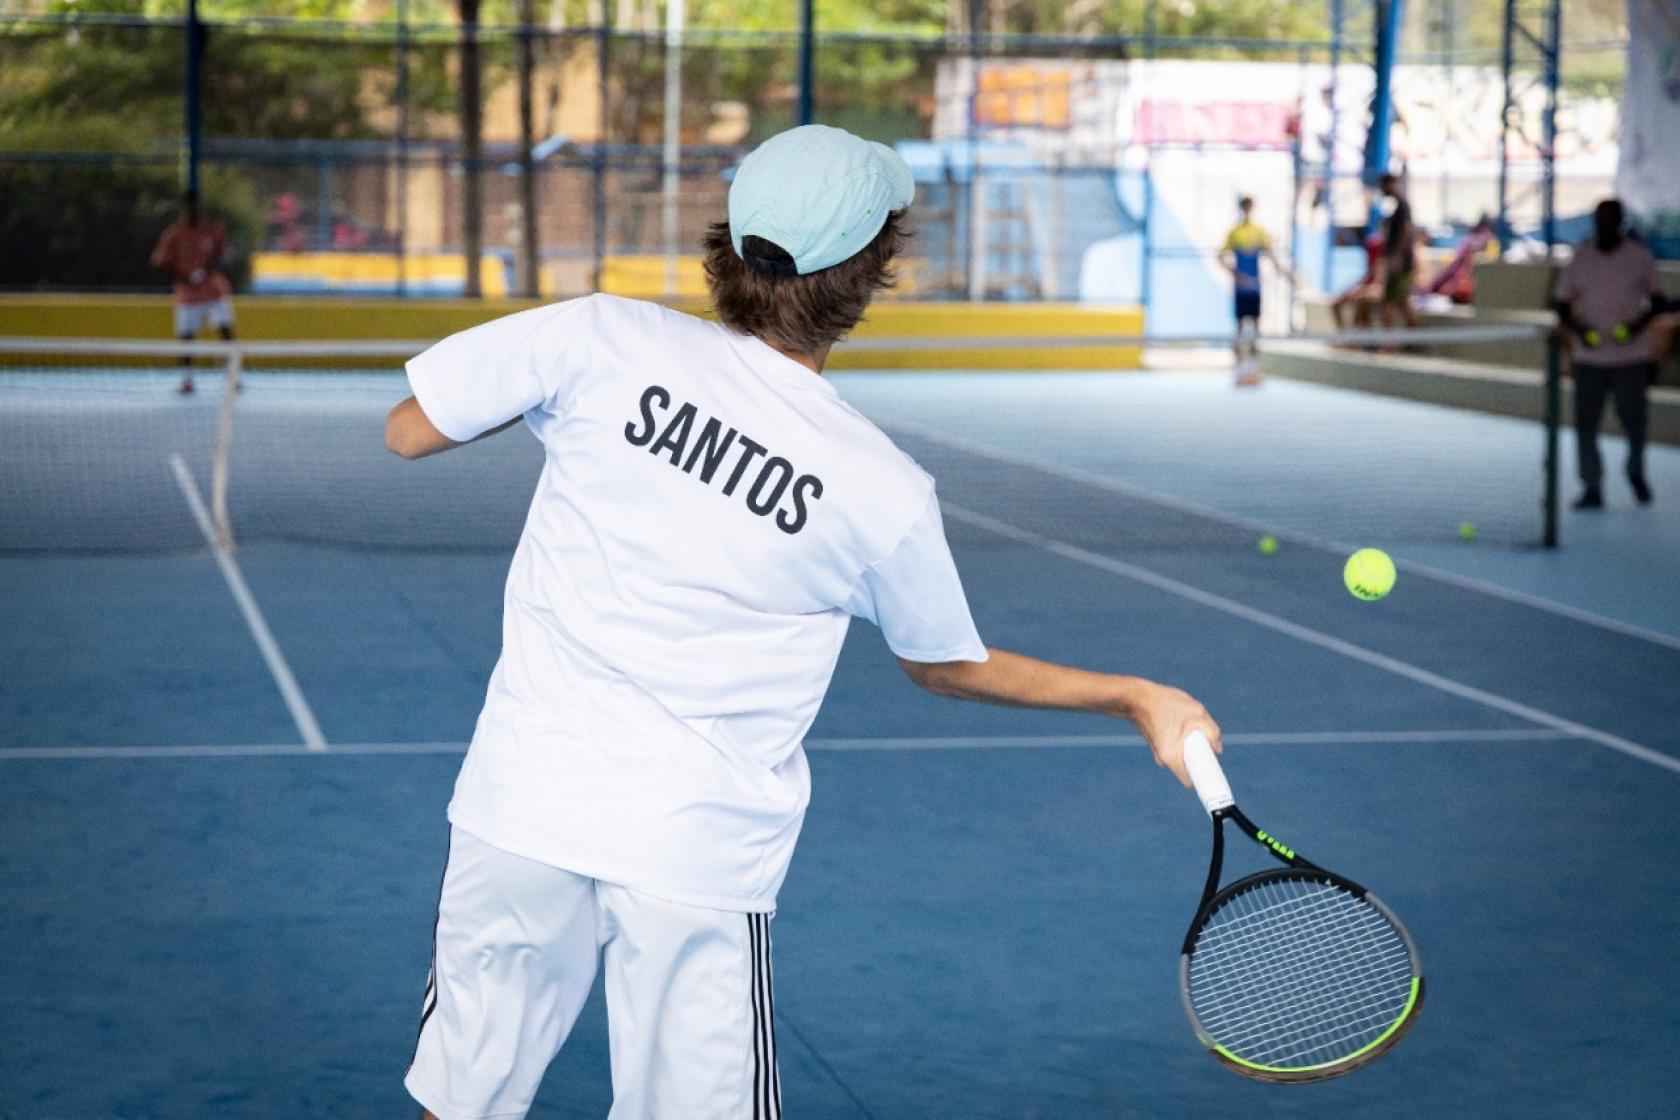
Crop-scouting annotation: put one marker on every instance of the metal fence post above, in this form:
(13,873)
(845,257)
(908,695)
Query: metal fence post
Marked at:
(1554,422)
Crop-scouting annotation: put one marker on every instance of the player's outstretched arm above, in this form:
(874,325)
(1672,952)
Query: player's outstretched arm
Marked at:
(1163,714)
(409,432)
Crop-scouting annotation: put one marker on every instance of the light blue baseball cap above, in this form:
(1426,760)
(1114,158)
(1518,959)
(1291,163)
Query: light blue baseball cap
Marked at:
(819,193)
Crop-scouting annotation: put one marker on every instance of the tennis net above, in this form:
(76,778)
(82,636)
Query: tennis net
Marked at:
(284,442)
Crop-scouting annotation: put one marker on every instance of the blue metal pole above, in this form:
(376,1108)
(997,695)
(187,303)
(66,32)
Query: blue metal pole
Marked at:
(402,148)
(192,82)
(598,164)
(807,59)
(1552,48)
(1507,107)
(1146,235)
(1338,32)
(1390,15)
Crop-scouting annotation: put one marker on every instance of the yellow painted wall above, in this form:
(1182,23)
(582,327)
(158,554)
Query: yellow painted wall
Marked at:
(350,269)
(279,318)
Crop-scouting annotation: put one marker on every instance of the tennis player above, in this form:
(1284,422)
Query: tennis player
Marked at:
(195,252)
(1244,247)
(710,517)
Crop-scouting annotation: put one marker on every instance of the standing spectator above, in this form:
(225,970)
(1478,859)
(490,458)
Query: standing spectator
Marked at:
(1399,267)
(1244,246)
(195,253)
(1605,299)
(1315,141)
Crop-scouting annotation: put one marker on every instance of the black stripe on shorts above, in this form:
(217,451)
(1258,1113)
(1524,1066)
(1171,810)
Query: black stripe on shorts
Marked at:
(429,1000)
(767,1079)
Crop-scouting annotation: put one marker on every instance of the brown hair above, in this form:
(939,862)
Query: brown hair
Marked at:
(799,313)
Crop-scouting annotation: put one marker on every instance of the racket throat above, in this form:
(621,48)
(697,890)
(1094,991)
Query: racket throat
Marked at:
(1266,840)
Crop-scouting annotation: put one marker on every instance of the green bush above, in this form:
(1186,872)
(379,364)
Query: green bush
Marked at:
(78,211)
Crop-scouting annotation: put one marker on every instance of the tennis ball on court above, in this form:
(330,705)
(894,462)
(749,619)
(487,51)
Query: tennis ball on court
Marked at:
(1369,574)
(1466,531)
(1268,545)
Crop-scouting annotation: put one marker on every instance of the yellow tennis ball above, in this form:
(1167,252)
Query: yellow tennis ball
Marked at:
(1466,531)
(1268,545)
(1369,574)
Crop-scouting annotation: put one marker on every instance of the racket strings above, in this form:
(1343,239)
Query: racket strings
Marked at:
(1356,956)
(1336,958)
(1297,972)
(1270,1024)
(1286,1030)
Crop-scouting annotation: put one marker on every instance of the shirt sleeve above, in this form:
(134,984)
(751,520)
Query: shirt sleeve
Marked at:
(495,372)
(916,598)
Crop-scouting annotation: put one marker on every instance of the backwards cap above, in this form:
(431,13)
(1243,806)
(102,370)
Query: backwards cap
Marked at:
(818,193)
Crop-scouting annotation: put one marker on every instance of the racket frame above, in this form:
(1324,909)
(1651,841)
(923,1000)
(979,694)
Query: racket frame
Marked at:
(1295,867)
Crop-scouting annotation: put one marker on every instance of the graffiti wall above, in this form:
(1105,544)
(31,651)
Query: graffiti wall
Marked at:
(1648,177)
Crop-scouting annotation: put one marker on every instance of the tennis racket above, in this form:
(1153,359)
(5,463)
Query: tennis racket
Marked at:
(1294,973)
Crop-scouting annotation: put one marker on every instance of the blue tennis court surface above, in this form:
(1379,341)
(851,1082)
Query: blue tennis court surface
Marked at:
(202,916)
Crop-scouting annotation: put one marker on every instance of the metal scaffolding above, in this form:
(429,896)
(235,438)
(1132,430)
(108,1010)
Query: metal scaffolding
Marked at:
(1536,41)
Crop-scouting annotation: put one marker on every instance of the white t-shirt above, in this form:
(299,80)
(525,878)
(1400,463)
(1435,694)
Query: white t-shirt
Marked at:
(709,517)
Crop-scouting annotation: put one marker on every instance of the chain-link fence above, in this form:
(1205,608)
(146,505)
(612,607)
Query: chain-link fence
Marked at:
(341,157)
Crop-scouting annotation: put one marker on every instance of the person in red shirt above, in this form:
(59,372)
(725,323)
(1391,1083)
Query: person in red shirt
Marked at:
(195,252)
(1362,298)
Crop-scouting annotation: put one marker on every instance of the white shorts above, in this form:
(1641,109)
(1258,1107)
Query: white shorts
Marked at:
(690,1010)
(191,318)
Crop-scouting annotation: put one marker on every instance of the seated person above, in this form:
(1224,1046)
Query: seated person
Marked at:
(1361,298)
(1457,281)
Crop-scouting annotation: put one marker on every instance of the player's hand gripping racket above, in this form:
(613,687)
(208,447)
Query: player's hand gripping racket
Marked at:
(1294,973)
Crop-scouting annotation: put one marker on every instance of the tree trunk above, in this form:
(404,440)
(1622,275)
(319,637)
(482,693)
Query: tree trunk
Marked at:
(472,149)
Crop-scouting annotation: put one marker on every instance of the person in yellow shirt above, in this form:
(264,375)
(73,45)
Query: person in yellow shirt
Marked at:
(1244,246)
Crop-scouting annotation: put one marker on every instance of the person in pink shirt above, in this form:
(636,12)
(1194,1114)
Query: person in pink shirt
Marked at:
(194,252)
(1457,281)
(1605,299)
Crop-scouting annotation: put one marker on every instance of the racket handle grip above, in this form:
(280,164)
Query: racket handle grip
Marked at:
(1205,773)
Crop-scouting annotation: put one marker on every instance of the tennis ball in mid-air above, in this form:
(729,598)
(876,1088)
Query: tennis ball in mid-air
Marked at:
(1369,574)
(1268,544)
(1466,530)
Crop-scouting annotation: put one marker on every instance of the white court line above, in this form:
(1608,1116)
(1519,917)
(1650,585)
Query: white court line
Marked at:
(307,726)
(234,750)
(1234,738)
(953,742)
(1114,485)
(1316,637)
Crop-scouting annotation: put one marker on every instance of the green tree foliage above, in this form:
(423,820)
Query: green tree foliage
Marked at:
(261,80)
(88,223)
(104,98)
(1221,19)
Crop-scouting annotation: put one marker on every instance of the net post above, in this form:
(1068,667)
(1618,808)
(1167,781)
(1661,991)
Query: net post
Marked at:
(224,446)
(1554,419)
